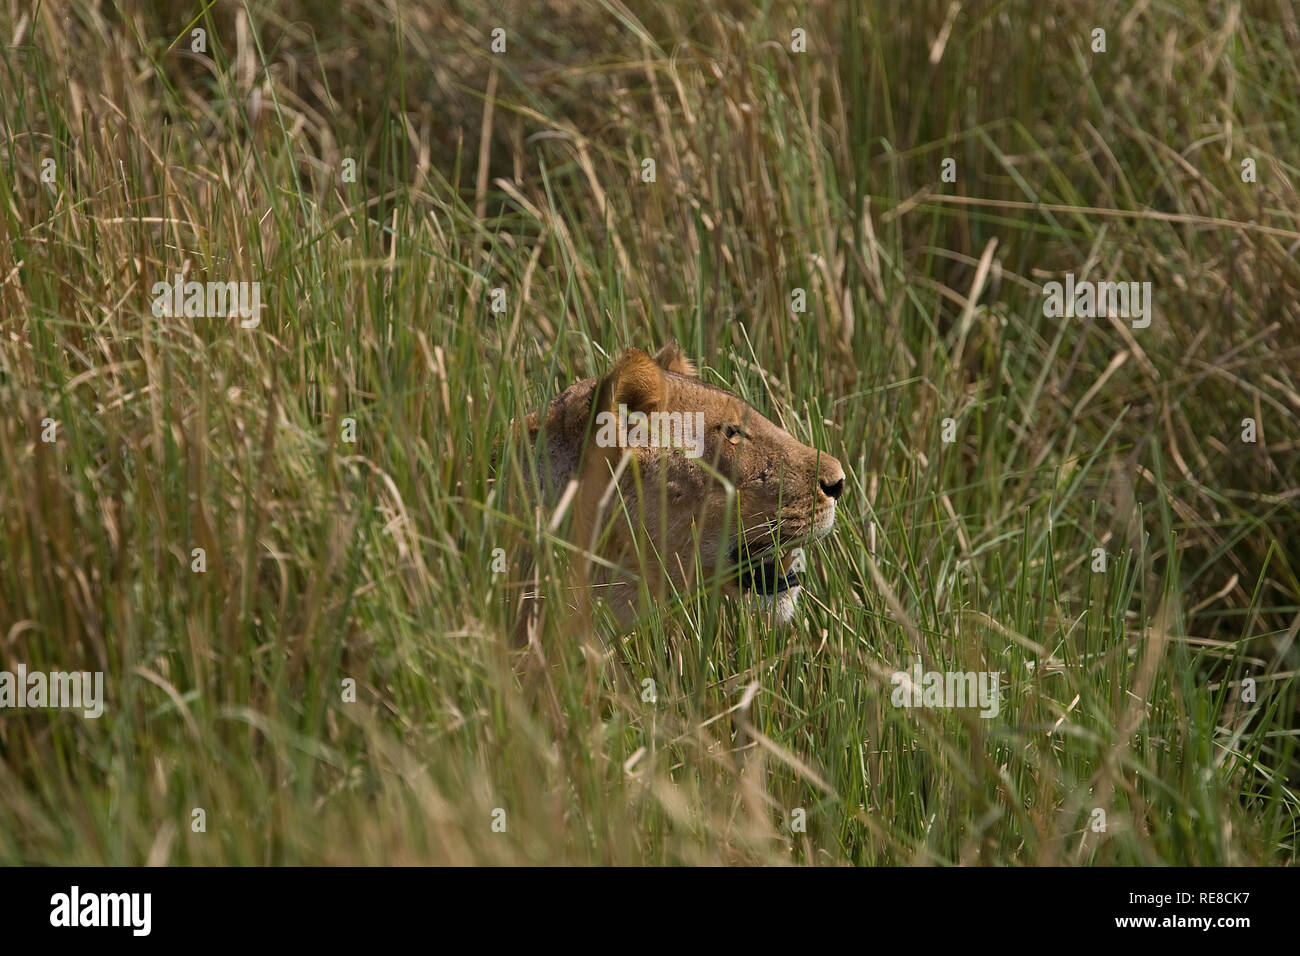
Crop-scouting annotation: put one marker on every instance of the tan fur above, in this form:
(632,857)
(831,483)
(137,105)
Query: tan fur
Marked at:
(669,511)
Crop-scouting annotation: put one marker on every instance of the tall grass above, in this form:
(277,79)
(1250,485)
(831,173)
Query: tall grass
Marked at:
(328,560)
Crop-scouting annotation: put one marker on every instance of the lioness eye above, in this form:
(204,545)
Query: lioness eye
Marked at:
(732,431)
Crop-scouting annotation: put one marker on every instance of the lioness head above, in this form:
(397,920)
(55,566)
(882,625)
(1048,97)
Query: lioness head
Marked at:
(653,451)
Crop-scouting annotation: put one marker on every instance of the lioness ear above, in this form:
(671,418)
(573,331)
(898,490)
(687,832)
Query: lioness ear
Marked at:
(671,358)
(636,381)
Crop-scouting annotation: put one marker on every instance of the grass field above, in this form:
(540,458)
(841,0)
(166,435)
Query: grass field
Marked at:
(445,236)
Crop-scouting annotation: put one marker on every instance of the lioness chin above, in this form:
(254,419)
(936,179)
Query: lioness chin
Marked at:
(653,454)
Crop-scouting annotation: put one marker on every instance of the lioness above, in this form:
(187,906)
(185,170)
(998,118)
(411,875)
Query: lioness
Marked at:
(651,500)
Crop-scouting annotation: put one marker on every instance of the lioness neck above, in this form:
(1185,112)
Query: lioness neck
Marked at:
(566,422)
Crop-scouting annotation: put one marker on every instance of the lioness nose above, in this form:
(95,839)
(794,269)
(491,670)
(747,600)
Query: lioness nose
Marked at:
(833,489)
